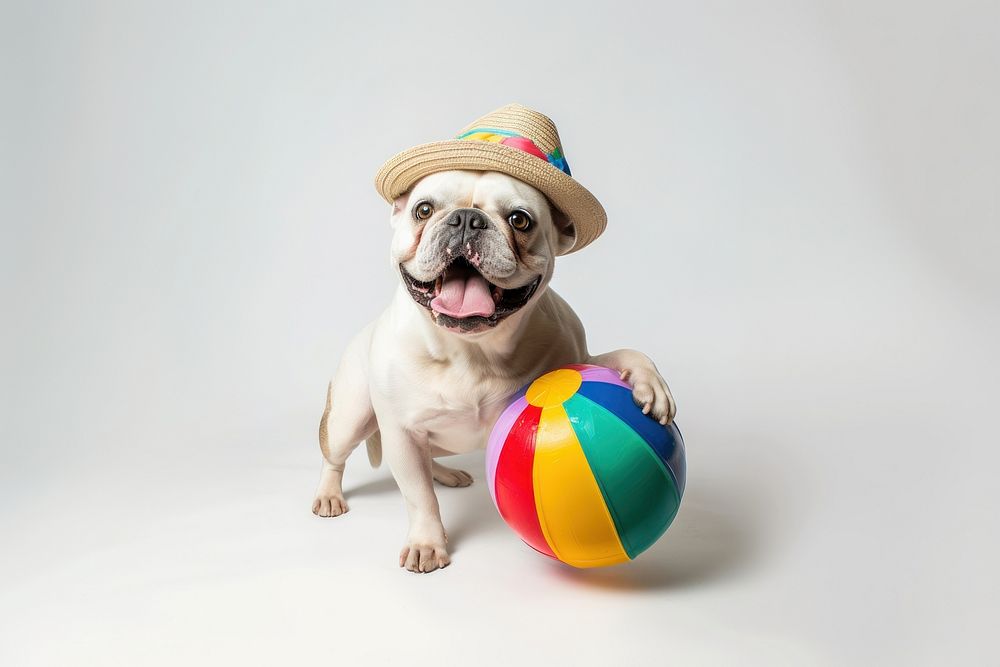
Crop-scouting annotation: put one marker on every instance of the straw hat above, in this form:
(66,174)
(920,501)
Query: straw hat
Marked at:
(514,140)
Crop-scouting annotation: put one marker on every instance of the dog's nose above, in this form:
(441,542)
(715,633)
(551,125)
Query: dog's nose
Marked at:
(468,219)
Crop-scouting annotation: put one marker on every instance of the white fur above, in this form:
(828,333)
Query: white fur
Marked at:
(416,390)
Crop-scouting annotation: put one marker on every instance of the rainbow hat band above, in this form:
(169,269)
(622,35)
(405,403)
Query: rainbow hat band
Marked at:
(512,140)
(515,140)
(580,473)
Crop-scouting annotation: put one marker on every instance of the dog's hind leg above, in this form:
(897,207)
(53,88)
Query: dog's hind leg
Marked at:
(347,420)
(449,476)
(442,474)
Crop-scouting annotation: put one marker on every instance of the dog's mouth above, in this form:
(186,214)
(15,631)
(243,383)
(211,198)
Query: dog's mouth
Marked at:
(462,299)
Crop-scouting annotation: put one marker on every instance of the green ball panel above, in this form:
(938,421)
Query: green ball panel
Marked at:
(638,489)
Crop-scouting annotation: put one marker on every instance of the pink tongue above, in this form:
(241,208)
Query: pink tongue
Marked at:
(464,295)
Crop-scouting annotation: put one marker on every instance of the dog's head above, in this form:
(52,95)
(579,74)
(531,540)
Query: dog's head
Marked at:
(476,248)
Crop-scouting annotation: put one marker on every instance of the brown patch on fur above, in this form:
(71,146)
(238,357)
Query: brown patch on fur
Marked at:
(324,434)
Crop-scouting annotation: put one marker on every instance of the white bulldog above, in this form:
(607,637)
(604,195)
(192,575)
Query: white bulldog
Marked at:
(472,321)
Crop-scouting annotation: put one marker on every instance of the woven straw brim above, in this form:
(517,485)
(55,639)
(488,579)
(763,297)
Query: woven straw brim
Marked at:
(404,169)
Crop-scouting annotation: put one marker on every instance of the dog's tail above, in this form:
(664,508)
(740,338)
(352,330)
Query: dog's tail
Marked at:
(374,442)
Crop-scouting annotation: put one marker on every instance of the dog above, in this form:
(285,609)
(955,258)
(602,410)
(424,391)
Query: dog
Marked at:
(472,320)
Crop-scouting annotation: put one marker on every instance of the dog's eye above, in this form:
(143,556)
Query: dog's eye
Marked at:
(519,220)
(423,210)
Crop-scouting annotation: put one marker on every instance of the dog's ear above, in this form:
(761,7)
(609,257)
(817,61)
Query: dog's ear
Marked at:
(565,231)
(399,205)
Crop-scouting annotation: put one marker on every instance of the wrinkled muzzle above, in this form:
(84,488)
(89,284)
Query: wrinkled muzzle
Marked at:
(455,268)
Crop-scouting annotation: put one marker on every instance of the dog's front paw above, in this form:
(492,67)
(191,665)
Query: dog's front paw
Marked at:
(651,393)
(425,550)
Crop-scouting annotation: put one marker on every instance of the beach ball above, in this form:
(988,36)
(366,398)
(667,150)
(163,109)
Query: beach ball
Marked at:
(580,473)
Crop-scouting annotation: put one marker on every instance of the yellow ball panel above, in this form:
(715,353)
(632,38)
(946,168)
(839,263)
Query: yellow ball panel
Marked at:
(554,388)
(571,510)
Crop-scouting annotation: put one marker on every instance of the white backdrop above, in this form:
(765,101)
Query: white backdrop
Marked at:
(803,234)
